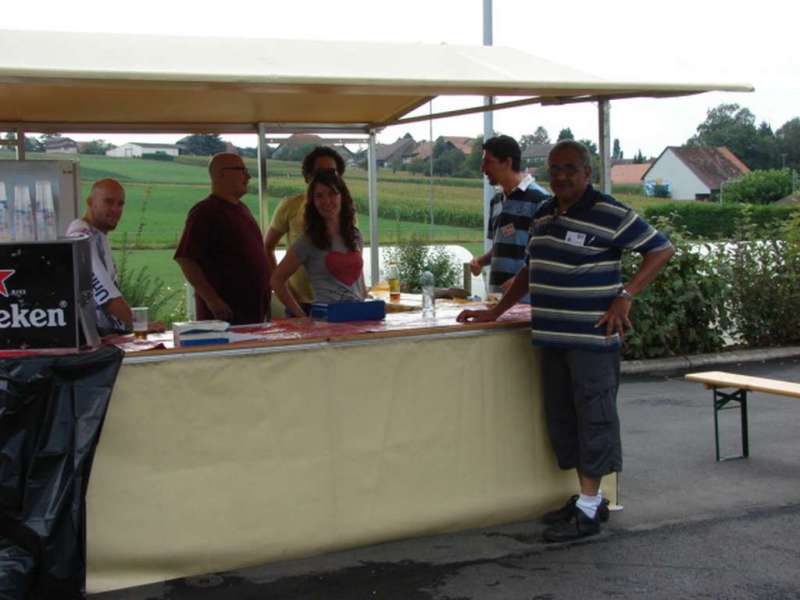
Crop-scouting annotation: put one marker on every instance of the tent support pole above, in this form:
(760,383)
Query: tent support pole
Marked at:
(488,126)
(263,204)
(20,144)
(604,144)
(372,183)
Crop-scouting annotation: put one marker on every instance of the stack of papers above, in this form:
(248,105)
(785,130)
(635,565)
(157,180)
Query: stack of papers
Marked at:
(200,333)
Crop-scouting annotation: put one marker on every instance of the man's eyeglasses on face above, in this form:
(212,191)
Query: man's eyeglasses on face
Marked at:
(568,170)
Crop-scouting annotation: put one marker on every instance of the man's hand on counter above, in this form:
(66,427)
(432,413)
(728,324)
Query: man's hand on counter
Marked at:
(156,327)
(476,316)
(220,309)
(475,267)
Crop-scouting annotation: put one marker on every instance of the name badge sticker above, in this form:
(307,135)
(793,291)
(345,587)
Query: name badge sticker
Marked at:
(508,230)
(575,238)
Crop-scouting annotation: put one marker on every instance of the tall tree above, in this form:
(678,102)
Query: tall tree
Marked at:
(788,144)
(447,160)
(735,127)
(639,158)
(31,143)
(96,147)
(202,144)
(616,153)
(526,141)
(565,134)
(590,145)
(472,166)
(540,136)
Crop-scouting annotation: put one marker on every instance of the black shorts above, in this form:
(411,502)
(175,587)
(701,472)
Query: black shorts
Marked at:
(580,400)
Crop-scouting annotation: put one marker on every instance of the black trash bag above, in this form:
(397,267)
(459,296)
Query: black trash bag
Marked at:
(52,410)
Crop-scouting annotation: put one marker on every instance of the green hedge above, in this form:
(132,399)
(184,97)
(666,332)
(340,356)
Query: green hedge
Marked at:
(741,291)
(759,187)
(707,220)
(158,156)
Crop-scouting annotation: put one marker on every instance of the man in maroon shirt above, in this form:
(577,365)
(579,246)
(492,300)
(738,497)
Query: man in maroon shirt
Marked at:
(221,251)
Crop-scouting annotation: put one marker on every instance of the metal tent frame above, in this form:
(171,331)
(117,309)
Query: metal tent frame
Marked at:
(90,82)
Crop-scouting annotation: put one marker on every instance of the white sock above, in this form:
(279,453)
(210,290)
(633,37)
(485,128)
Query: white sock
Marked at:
(589,504)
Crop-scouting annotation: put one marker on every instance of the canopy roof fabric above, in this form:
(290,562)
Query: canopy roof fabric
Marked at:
(85,81)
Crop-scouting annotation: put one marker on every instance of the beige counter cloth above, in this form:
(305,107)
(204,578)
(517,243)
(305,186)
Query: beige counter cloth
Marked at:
(209,464)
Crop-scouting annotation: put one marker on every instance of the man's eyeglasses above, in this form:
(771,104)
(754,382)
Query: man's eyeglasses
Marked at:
(568,170)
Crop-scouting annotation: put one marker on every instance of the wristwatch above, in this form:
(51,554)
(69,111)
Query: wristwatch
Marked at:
(623,293)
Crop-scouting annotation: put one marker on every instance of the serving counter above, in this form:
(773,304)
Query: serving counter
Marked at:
(304,440)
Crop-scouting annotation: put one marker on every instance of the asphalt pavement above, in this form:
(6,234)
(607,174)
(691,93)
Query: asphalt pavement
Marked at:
(690,527)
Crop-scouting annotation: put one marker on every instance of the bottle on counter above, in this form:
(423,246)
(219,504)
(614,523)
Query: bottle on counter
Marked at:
(428,298)
(393,277)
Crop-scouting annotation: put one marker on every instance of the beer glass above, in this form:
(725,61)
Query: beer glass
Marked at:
(140,322)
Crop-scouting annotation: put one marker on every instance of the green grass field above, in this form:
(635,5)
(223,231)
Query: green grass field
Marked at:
(159,195)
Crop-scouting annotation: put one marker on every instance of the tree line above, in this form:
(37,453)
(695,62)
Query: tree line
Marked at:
(730,125)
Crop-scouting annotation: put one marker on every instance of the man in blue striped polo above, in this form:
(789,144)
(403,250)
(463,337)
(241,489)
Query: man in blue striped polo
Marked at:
(511,210)
(579,313)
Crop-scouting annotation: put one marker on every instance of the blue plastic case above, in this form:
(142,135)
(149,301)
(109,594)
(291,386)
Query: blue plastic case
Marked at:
(338,312)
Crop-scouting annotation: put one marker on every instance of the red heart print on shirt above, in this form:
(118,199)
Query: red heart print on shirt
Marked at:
(345,266)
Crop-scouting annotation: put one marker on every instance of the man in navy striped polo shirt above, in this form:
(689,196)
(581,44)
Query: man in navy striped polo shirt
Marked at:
(511,209)
(579,315)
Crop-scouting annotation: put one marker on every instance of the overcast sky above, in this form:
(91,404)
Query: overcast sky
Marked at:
(698,41)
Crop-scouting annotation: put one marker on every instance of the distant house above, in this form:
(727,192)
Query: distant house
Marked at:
(694,172)
(347,155)
(137,149)
(628,173)
(461,143)
(297,140)
(402,149)
(61,145)
(534,159)
(537,153)
(423,151)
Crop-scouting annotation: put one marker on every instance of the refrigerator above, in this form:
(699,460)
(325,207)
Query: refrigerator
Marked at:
(46,298)
(38,199)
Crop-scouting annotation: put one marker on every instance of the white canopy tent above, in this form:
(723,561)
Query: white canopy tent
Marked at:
(90,82)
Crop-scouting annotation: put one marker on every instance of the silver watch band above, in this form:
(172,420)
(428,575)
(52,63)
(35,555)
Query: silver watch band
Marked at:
(623,293)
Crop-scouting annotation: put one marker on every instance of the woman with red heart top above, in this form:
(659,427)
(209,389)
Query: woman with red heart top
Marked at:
(330,250)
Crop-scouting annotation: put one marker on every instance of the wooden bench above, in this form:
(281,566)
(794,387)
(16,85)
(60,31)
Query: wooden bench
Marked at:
(742,384)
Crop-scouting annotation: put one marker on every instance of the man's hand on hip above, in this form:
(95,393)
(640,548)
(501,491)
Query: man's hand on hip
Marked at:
(616,317)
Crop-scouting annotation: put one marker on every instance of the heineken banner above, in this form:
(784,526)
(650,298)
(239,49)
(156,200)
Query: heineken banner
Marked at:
(45,295)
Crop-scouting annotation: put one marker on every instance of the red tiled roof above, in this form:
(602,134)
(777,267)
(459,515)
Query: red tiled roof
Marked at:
(628,174)
(462,143)
(424,150)
(733,158)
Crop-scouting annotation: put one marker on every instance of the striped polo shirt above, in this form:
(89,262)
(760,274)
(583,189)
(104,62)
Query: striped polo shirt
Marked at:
(575,268)
(509,229)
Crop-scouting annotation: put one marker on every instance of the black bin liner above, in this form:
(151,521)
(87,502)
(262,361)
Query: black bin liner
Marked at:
(52,410)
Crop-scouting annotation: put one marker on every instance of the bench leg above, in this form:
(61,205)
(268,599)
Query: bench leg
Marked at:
(721,399)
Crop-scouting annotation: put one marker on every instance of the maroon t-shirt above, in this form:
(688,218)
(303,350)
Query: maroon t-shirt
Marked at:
(225,240)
